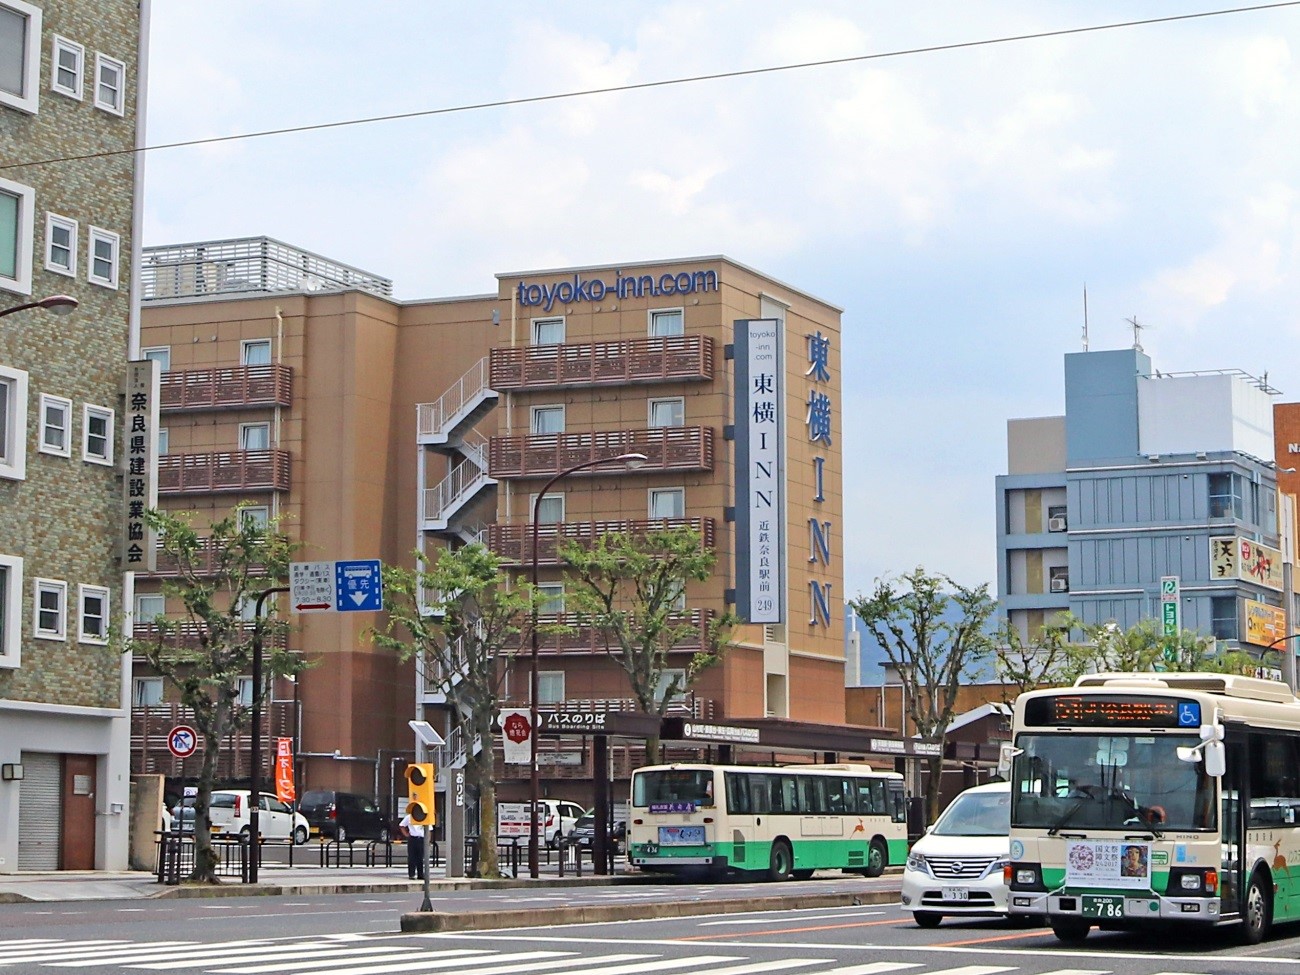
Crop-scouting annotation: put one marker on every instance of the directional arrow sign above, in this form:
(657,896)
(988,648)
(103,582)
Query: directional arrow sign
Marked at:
(358,586)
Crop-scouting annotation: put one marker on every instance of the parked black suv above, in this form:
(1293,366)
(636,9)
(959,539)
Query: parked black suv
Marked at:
(344,816)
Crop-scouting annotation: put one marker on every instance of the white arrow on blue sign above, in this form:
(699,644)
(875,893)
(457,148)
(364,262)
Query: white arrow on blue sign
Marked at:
(358,586)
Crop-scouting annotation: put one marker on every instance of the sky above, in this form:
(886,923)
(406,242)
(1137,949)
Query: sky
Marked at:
(954,203)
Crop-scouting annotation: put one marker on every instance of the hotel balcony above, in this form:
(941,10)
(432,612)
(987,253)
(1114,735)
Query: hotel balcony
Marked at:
(514,543)
(152,726)
(681,358)
(205,563)
(230,388)
(542,455)
(224,472)
(589,639)
(188,633)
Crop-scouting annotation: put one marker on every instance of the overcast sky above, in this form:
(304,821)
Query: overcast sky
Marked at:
(954,203)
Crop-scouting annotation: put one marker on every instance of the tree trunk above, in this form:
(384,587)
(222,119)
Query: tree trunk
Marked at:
(933,782)
(652,750)
(488,865)
(205,857)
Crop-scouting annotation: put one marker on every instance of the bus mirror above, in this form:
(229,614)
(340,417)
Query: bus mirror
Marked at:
(1216,762)
(1187,753)
(1006,753)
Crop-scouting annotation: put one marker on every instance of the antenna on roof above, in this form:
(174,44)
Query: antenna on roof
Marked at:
(1137,332)
(1085,317)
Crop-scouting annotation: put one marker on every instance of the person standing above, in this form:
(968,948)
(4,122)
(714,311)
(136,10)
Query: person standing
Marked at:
(414,834)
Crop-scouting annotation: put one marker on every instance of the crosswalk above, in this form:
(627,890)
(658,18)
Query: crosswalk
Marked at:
(362,955)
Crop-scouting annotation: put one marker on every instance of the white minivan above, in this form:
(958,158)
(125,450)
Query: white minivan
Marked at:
(228,813)
(956,867)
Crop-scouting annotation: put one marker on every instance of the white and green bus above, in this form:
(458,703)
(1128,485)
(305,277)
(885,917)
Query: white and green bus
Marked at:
(1161,798)
(779,822)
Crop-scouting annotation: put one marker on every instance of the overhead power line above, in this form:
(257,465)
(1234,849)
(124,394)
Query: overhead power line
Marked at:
(643,85)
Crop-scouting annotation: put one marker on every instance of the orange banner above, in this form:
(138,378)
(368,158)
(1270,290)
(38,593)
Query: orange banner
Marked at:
(284,769)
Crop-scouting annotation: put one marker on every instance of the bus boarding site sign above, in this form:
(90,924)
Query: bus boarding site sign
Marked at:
(1112,711)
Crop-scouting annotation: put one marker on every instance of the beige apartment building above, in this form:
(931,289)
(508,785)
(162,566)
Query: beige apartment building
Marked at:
(378,428)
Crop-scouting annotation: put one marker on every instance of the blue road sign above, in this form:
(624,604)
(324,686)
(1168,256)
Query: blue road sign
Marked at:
(358,586)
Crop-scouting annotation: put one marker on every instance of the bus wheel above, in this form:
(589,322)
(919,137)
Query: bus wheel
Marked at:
(782,863)
(1071,930)
(927,919)
(877,857)
(1255,914)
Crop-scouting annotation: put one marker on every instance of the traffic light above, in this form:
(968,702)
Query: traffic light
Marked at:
(420,777)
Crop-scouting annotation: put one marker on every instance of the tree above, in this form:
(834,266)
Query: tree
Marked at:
(933,638)
(1144,647)
(1047,659)
(632,589)
(206,652)
(465,636)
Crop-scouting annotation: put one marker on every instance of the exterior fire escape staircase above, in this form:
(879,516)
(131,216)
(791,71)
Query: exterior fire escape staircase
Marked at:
(447,428)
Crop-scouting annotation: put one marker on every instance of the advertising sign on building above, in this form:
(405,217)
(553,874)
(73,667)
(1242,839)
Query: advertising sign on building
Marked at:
(1232,557)
(516,737)
(1170,616)
(760,471)
(1265,624)
(139,551)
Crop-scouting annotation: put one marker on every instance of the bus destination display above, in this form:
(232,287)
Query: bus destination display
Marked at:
(1112,711)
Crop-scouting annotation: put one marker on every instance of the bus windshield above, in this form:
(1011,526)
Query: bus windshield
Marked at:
(1110,781)
(663,786)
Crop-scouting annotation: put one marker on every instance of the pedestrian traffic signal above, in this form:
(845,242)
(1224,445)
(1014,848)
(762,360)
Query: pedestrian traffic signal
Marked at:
(420,777)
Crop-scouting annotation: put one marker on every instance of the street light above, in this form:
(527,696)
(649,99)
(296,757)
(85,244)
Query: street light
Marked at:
(631,462)
(56,304)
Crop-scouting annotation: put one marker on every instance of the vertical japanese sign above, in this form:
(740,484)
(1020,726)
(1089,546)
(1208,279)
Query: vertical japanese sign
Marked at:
(1170,615)
(284,789)
(760,471)
(818,421)
(140,444)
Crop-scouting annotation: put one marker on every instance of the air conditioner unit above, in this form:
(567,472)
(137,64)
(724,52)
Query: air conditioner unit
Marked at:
(1060,584)
(1056,524)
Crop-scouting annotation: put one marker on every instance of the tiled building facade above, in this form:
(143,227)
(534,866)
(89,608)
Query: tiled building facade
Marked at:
(68,88)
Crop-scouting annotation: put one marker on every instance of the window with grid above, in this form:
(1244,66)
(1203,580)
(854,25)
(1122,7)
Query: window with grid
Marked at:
(97,435)
(104,249)
(56,426)
(93,602)
(51,609)
(20,56)
(110,84)
(68,61)
(60,245)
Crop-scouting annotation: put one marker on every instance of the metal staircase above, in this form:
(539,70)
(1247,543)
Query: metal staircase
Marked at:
(446,427)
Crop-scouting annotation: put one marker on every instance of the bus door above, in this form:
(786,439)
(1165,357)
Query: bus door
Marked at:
(740,800)
(1234,789)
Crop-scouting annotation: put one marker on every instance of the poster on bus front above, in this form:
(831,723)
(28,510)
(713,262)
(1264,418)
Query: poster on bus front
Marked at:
(1091,863)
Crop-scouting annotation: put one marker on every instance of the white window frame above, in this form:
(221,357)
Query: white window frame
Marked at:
(21,282)
(11,624)
(260,513)
(246,428)
(653,314)
(28,102)
(58,45)
(98,235)
(88,412)
(161,354)
(102,61)
(665,678)
(246,344)
(551,497)
(141,615)
(54,221)
(164,441)
(650,502)
(679,401)
(13,459)
(85,593)
(538,324)
(244,694)
(553,593)
(64,406)
(536,411)
(156,686)
(552,677)
(60,629)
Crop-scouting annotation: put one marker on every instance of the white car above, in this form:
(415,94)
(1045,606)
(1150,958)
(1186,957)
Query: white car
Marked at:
(957,867)
(228,813)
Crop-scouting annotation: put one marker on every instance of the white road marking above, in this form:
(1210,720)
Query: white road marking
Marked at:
(379,955)
(814,917)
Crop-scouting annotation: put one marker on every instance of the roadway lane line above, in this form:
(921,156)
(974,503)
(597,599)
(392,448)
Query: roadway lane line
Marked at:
(764,920)
(815,927)
(1029,933)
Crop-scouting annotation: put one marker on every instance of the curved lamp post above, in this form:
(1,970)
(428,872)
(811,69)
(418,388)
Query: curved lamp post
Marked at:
(57,304)
(631,462)
(1288,659)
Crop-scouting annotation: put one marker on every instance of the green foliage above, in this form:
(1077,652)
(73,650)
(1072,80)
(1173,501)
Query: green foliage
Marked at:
(205,652)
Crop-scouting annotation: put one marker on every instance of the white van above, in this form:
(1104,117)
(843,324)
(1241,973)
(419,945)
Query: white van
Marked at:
(228,812)
(557,816)
(956,867)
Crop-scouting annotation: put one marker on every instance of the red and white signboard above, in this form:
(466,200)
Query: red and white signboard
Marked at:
(516,737)
(182,741)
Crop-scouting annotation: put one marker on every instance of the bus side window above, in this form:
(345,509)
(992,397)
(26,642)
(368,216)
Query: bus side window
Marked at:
(789,788)
(863,788)
(848,788)
(808,795)
(759,794)
(737,793)
(879,802)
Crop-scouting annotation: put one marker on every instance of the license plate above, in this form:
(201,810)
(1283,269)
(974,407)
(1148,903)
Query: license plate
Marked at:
(955,894)
(1103,906)
(681,835)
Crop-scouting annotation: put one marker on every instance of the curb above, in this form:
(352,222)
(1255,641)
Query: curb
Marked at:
(433,921)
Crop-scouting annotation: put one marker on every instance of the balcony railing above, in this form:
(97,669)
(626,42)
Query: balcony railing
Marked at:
(188,632)
(204,562)
(224,472)
(514,543)
(665,448)
(588,639)
(152,726)
(230,388)
(650,360)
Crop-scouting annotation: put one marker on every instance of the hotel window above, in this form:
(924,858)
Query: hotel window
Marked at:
(161,354)
(17,204)
(547,420)
(667,502)
(56,426)
(550,687)
(246,692)
(548,331)
(60,245)
(110,84)
(666,324)
(147,692)
(552,594)
(20,55)
(68,63)
(551,510)
(255,352)
(149,606)
(666,677)
(51,609)
(13,423)
(254,436)
(163,441)
(11,596)
(93,601)
(97,435)
(667,412)
(104,248)
(256,516)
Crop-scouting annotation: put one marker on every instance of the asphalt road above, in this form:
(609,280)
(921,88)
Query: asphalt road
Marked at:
(357,935)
